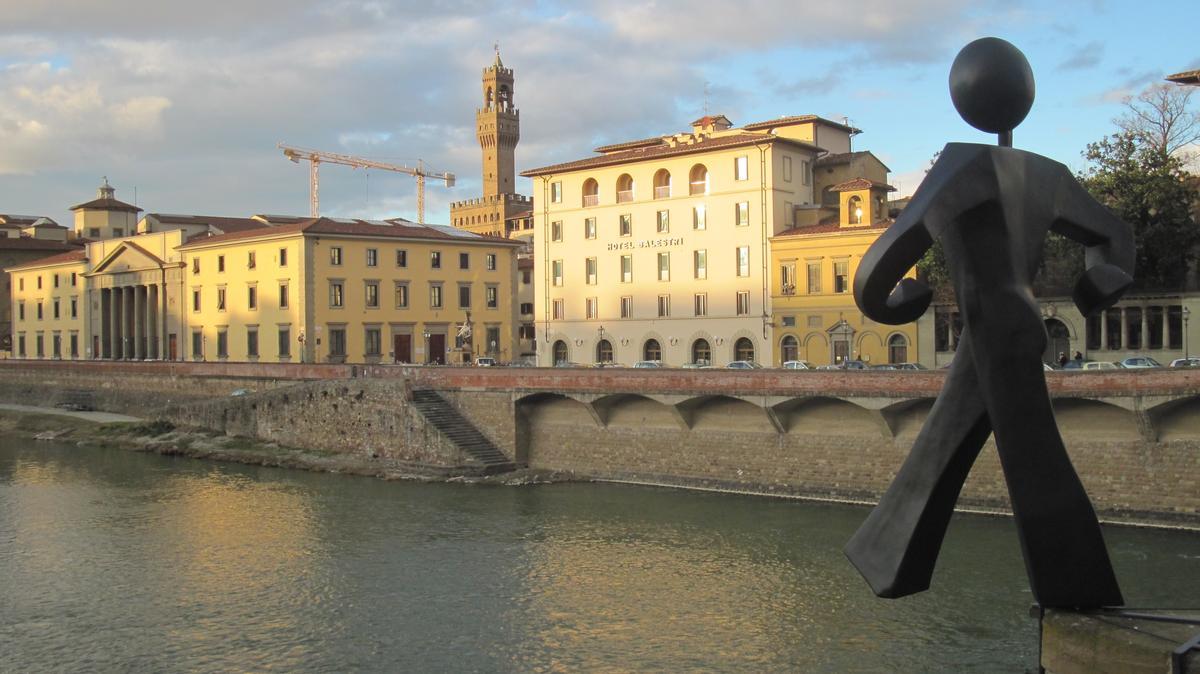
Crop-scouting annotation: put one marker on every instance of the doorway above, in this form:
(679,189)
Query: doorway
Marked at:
(437,349)
(172,347)
(1059,341)
(402,348)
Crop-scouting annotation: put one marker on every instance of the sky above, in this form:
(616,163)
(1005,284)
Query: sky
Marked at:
(184,102)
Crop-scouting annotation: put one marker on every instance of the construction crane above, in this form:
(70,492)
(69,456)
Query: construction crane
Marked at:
(315,157)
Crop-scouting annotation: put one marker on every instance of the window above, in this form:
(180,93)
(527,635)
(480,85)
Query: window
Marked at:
(701,304)
(21,284)
(604,351)
(21,345)
(743,303)
(21,311)
(372,341)
(556,230)
(742,214)
(1154,321)
(805,172)
(787,278)
(897,349)
(251,262)
(252,342)
(662,184)
(741,168)
(626,224)
(222,342)
(195,265)
(589,228)
(41,349)
(221,263)
(841,276)
(698,180)
(74,345)
(560,352)
(55,279)
(336,294)
(743,261)
(401,295)
(627,306)
(591,192)
(664,306)
(526,308)
(73,279)
(556,307)
(790,322)
(464,297)
(372,294)
(556,272)
(74,308)
(854,206)
(285,342)
(947,326)
(283,257)
(56,314)
(252,298)
(492,297)
(590,270)
(701,352)
(489,261)
(283,296)
(94,232)
(39,310)
(590,307)
(700,262)
(626,269)
(651,350)
(743,349)
(195,300)
(39,282)
(435,260)
(1133,328)
(556,192)
(337,342)
(220,299)
(699,221)
(664,266)
(435,296)
(117,231)
(787,172)
(814,278)
(624,188)
(664,222)
(56,346)
(464,260)
(197,344)
(372,257)
(335,256)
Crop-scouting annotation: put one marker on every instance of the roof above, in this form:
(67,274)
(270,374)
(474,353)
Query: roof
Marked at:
(222,223)
(798,119)
(525,263)
(830,228)
(710,119)
(643,142)
(398,228)
(106,204)
(61,258)
(1186,77)
(13,220)
(528,212)
(843,158)
(861,184)
(30,243)
(664,150)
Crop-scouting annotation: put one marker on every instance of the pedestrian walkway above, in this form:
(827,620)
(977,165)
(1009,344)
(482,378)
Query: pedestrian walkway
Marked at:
(98,417)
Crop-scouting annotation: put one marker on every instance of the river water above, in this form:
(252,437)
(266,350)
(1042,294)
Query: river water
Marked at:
(114,560)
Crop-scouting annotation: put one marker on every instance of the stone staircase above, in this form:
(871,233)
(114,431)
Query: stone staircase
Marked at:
(451,424)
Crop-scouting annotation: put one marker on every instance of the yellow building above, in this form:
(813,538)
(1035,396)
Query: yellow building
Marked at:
(105,217)
(305,290)
(657,249)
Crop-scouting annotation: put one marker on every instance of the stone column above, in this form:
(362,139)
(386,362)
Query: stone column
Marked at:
(152,350)
(127,313)
(139,327)
(1104,330)
(1145,328)
(105,325)
(1124,329)
(117,340)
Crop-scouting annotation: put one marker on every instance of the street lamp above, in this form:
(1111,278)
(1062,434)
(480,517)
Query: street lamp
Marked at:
(1186,312)
(425,334)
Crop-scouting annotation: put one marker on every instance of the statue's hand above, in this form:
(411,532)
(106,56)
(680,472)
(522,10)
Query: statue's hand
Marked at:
(1099,287)
(906,303)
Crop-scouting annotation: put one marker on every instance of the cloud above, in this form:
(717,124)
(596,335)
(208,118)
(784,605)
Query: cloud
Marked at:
(1084,58)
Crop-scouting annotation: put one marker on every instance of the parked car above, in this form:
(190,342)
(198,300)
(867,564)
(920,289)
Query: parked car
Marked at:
(744,365)
(648,364)
(1076,364)
(699,365)
(883,366)
(1102,365)
(799,365)
(854,365)
(1186,362)
(1140,362)
(909,366)
(485,361)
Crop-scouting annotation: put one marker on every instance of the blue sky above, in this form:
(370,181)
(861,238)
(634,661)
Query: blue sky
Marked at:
(186,101)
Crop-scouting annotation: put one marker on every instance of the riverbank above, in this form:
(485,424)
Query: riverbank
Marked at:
(165,439)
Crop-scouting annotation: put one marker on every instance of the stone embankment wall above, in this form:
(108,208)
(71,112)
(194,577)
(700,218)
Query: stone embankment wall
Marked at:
(1134,437)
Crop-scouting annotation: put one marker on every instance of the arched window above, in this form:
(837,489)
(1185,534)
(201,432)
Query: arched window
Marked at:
(505,96)
(488,101)
(701,352)
(662,184)
(698,180)
(897,349)
(591,192)
(743,349)
(790,348)
(560,352)
(624,188)
(854,205)
(651,350)
(604,352)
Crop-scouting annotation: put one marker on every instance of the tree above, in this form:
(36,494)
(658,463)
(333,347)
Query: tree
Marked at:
(1159,118)
(1144,185)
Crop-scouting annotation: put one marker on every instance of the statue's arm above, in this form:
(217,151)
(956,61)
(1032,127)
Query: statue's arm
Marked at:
(1109,249)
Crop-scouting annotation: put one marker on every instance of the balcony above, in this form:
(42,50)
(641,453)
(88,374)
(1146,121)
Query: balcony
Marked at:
(624,196)
(591,200)
(662,192)
(699,187)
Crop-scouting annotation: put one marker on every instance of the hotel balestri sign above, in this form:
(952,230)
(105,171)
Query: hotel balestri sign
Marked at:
(646,243)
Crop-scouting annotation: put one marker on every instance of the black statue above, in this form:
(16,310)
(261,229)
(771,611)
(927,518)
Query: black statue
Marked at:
(990,207)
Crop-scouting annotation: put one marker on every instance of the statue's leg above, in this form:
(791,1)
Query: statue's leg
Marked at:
(896,548)
(1065,556)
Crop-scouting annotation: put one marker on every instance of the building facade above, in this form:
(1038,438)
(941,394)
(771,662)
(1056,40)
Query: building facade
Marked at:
(24,239)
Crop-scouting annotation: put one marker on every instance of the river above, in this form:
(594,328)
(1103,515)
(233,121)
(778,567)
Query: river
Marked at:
(115,560)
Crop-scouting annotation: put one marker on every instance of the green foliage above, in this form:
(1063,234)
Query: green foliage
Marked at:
(1147,187)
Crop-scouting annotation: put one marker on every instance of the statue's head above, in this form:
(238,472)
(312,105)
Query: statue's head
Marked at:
(991,85)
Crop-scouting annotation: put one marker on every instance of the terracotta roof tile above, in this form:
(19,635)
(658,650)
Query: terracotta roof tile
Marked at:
(861,184)
(798,119)
(829,228)
(401,229)
(106,205)
(30,243)
(61,258)
(223,223)
(1186,77)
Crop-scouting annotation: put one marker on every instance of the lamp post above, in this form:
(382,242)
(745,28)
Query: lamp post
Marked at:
(599,339)
(425,334)
(1186,312)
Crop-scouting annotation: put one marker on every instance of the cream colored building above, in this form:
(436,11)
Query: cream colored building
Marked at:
(105,217)
(658,249)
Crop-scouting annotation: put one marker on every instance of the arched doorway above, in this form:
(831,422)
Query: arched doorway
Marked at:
(701,352)
(897,349)
(743,349)
(651,350)
(789,348)
(560,352)
(604,352)
(1059,341)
